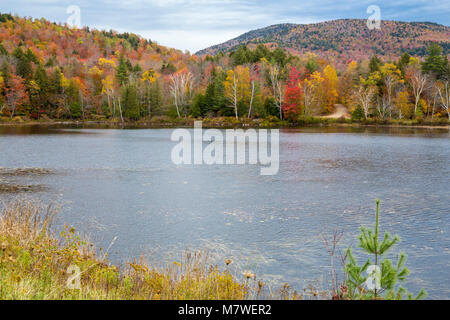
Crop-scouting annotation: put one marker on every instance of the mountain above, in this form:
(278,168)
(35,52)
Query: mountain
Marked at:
(78,50)
(50,70)
(344,39)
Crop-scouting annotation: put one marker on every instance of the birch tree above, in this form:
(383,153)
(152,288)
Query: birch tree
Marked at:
(181,85)
(418,82)
(254,75)
(250,109)
(277,86)
(108,90)
(444,97)
(231,89)
(364,96)
(237,87)
(391,77)
(383,107)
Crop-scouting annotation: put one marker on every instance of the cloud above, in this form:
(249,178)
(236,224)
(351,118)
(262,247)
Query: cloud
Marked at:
(195,24)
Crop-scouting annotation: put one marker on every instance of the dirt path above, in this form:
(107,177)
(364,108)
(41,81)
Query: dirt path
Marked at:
(341,111)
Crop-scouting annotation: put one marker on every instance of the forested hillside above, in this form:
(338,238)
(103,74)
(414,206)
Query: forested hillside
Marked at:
(346,39)
(50,71)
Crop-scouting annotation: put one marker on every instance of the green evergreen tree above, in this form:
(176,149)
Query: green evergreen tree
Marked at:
(55,80)
(312,65)
(358,114)
(137,68)
(215,99)
(403,62)
(5,17)
(260,52)
(31,56)
(156,97)
(241,56)
(76,110)
(374,64)
(23,67)
(435,63)
(5,71)
(129,65)
(41,79)
(122,72)
(199,106)
(384,276)
(279,57)
(270,108)
(168,68)
(131,107)
(3,51)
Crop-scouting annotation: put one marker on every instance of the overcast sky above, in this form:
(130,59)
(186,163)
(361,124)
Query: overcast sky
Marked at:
(197,24)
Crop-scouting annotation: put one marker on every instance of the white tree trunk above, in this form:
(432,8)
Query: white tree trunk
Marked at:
(120,110)
(251,100)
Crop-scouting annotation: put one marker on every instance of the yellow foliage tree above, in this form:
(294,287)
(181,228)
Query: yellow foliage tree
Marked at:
(64,81)
(237,86)
(2,85)
(149,77)
(108,90)
(106,63)
(331,83)
(346,83)
(404,107)
(312,92)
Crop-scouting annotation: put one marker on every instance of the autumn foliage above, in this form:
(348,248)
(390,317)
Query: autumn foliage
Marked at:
(52,71)
(293,95)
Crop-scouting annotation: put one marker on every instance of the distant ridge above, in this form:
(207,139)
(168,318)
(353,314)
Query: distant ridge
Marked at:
(344,39)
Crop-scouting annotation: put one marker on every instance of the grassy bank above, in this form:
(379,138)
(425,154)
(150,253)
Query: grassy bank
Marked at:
(230,122)
(37,264)
(34,264)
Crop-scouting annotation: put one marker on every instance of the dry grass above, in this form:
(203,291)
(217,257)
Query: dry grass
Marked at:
(25,220)
(34,263)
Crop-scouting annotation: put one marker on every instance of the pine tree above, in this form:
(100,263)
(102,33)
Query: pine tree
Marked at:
(215,93)
(375,64)
(23,68)
(42,81)
(403,62)
(312,65)
(3,51)
(55,82)
(5,71)
(156,97)
(122,72)
(131,103)
(241,56)
(435,62)
(198,106)
(382,274)
(279,57)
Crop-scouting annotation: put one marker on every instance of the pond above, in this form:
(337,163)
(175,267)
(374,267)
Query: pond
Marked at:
(122,183)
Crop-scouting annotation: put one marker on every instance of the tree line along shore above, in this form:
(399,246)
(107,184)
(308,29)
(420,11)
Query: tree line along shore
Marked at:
(50,71)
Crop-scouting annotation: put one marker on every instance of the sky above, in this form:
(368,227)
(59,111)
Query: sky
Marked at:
(196,24)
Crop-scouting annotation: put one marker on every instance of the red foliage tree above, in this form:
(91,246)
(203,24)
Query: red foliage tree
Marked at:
(15,94)
(293,94)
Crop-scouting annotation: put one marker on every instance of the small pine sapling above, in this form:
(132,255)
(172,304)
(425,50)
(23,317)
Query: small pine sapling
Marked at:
(377,279)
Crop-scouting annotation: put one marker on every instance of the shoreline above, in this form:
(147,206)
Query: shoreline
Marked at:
(188,123)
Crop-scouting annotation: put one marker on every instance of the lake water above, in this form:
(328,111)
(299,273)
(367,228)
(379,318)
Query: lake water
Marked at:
(122,183)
